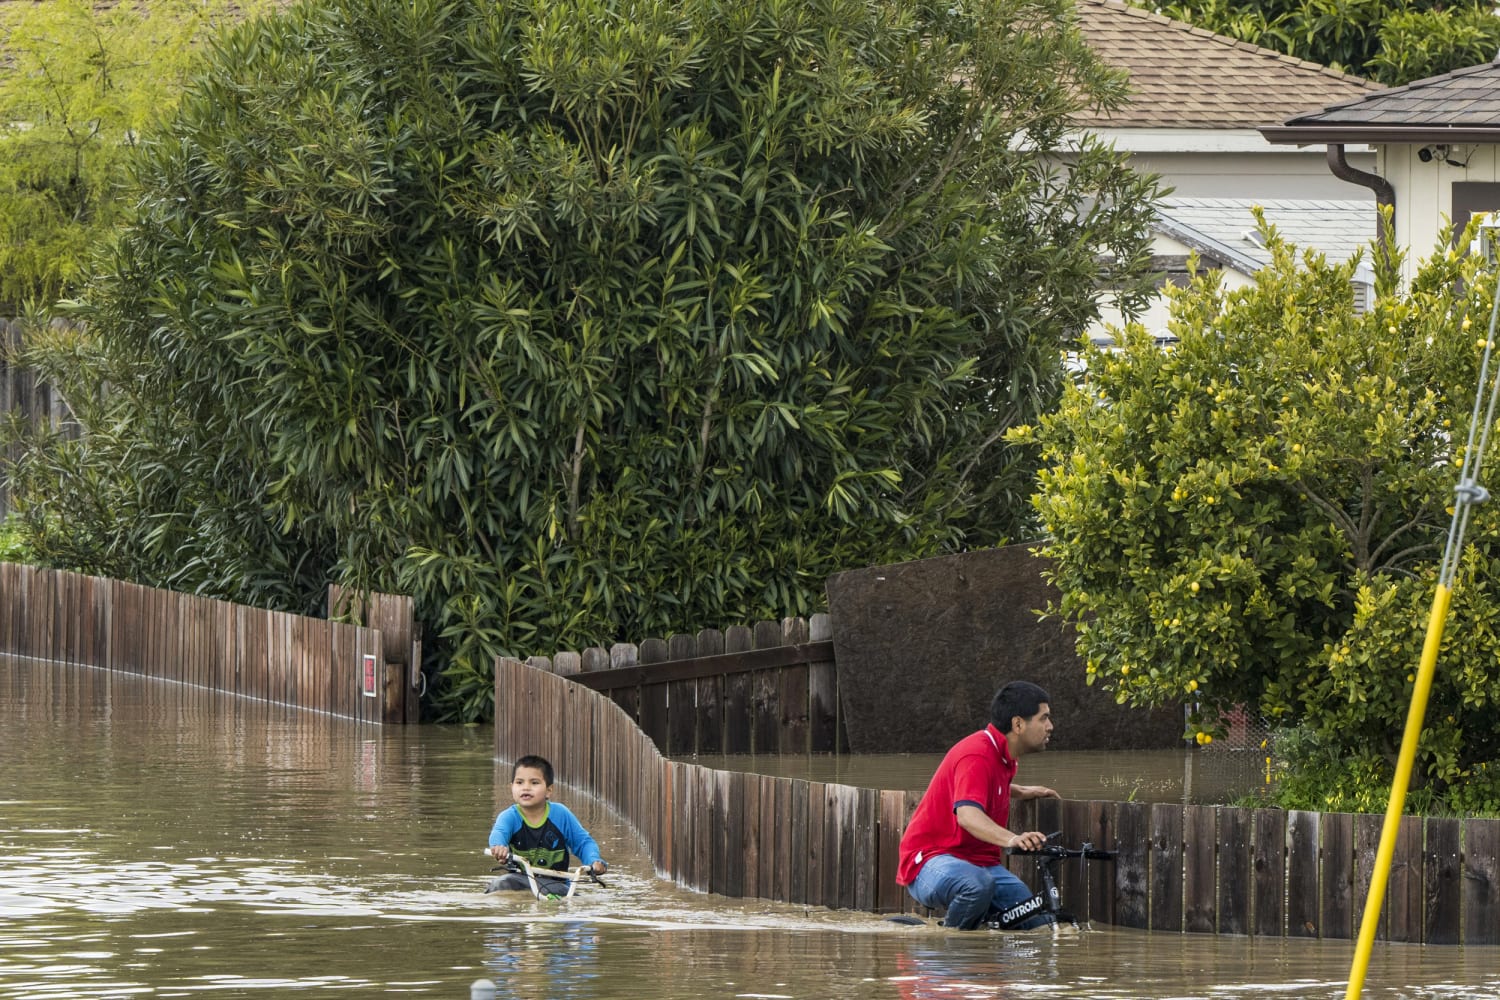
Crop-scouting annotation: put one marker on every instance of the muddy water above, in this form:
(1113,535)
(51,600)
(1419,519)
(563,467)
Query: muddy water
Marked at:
(160,842)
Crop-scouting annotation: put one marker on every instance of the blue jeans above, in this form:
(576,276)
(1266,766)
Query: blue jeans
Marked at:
(970,893)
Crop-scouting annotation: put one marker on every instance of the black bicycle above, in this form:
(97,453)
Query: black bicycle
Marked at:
(1047,899)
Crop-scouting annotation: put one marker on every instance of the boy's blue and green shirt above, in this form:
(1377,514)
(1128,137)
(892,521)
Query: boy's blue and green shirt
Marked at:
(548,844)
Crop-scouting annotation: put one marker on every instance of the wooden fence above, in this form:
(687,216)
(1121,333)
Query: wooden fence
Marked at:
(306,662)
(1208,869)
(768,688)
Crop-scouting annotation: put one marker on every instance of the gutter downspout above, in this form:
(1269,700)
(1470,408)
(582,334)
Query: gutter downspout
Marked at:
(1385,195)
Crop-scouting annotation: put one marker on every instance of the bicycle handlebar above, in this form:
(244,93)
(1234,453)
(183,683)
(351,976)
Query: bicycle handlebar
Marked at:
(1051,850)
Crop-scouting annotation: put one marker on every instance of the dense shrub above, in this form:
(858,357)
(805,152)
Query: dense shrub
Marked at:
(1257,515)
(587,320)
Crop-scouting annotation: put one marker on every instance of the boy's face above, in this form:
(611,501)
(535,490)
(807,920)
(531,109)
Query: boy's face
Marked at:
(528,787)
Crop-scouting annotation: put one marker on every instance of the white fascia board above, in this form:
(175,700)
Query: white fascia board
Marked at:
(1200,140)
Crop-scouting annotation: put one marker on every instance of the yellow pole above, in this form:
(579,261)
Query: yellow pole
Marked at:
(1399,784)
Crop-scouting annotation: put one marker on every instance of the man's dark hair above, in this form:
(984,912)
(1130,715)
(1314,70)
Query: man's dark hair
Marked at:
(540,763)
(1021,698)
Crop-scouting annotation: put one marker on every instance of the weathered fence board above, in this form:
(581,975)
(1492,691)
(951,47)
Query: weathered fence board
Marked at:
(1337,878)
(1442,868)
(1166,867)
(1133,865)
(1304,912)
(1268,862)
(1481,873)
(1235,849)
(1200,886)
(1405,889)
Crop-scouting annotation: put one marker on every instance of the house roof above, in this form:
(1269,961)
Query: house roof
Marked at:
(1183,77)
(1461,106)
(1223,228)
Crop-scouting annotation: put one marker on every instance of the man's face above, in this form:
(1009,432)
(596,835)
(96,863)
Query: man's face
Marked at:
(1032,734)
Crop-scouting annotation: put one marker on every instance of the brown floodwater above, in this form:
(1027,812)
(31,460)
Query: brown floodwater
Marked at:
(160,841)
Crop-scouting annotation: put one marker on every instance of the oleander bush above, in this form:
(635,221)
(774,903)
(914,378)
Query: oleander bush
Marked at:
(589,320)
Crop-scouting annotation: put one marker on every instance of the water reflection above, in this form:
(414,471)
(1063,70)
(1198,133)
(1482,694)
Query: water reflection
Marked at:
(161,842)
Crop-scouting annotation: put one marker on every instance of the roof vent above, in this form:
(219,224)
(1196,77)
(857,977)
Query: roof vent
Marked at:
(1255,238)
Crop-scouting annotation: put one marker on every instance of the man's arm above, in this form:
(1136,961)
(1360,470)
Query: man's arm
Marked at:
(1020,793)
(977,823)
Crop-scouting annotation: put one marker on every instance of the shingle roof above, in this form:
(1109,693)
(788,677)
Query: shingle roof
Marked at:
(1224,227)
(1184,77)
(1468,96)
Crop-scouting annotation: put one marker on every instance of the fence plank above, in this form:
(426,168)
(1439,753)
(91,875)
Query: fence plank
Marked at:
(1481,871)
(653,710)
(1303,837)
(1073,881)
(866,853)
(1404,892)
(1101,898)
(682,701)
(710,696)
(737,724)
(1166,867)
(822,693)
(1236,847)
(1200,868)
(1442,886)
(1269,838)
(1366,842)
(725,823)
(765,694)
(754,835)
(893,817)
(1338,875)
(772,821)
(781,874)
(1133,865)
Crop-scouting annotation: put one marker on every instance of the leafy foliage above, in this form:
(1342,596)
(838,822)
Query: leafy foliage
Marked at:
(588,320)
(12,548)
(1389,42)
(1256,517)
(81,82)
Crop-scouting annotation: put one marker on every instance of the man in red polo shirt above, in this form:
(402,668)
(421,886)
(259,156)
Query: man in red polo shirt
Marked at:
(953,850)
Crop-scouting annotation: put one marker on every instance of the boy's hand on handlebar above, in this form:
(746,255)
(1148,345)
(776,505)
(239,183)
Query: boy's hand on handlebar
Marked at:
(499,852)
(599,868)
(1030,841)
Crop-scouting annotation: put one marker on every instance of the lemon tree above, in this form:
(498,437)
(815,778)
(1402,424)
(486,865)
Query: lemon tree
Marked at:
(1254,517)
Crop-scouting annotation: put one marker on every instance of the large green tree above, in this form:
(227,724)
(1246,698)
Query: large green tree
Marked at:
(1255,517)
(1390,41)
(80,81)
(587,320)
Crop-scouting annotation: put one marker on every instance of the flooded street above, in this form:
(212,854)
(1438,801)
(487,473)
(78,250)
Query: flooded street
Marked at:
(159,841)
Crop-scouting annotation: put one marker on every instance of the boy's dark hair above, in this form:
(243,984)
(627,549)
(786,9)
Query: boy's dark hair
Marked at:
(540,763)
(1021,698)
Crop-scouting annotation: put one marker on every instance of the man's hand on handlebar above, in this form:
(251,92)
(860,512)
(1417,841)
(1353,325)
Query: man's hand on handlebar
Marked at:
(1030,841)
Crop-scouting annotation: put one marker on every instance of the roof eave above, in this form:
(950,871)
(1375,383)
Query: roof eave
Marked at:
(1374,134)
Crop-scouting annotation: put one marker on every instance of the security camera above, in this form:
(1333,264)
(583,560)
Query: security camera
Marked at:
(1425,154)
(1437,151)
